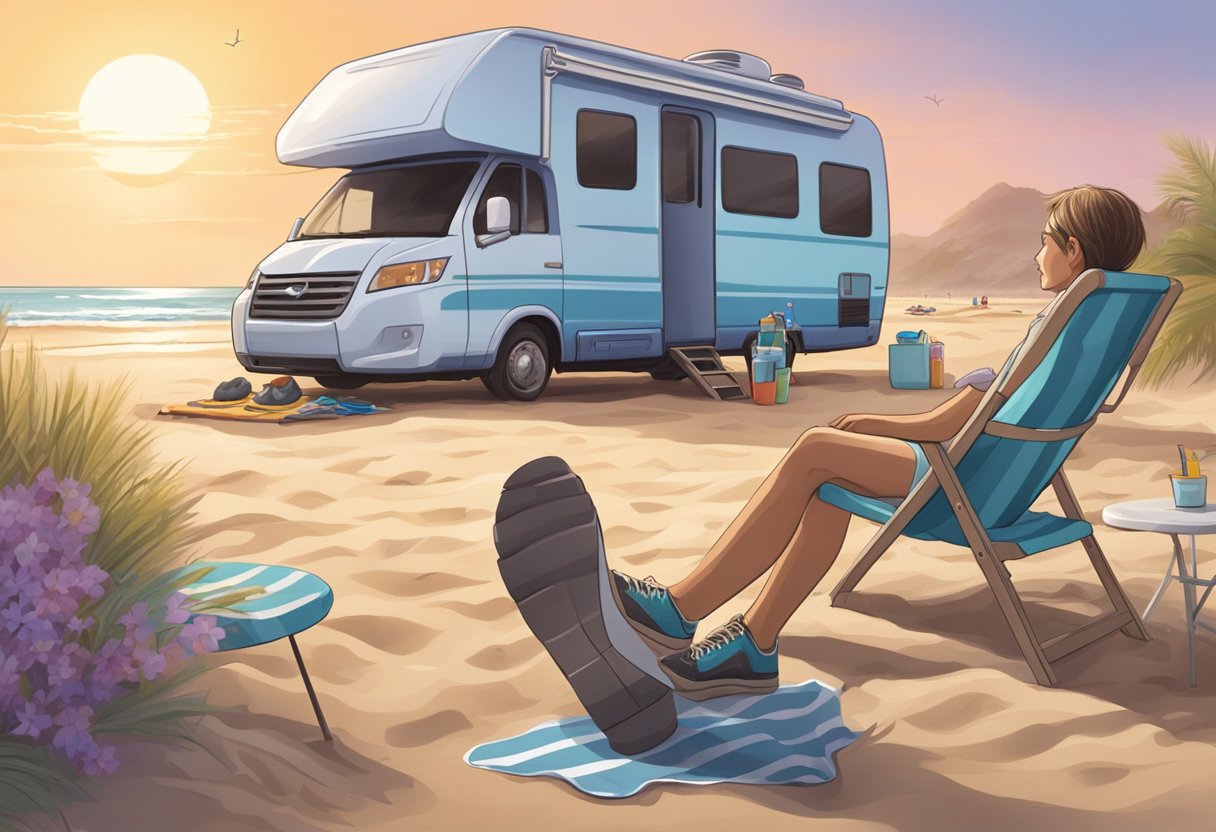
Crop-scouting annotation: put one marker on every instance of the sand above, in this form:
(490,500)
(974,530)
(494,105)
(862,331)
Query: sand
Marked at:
(425,656)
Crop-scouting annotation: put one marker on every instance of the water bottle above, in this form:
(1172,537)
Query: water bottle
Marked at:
(789,315)
(937,364)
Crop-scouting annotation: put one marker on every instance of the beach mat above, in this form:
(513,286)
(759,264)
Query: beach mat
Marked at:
(788,736)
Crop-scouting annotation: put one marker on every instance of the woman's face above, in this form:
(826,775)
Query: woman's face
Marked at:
(1058,267)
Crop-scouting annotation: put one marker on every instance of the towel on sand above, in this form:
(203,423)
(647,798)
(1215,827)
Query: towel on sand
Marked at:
(788,736)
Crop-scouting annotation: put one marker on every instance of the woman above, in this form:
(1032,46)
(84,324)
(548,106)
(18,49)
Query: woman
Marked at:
(785,527)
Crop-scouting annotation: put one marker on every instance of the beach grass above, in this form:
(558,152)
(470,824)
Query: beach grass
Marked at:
(82,431)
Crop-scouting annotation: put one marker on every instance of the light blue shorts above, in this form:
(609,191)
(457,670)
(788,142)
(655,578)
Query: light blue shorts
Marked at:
(922,463)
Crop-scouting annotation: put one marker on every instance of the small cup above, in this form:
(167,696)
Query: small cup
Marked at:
(783,386)
(1190,492)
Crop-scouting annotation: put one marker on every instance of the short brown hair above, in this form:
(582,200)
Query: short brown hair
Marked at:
(1106,223)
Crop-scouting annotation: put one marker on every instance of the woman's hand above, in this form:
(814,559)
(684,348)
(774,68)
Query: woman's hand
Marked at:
(866,423)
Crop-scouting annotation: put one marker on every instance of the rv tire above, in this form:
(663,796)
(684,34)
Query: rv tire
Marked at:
(522,369)
(339,382)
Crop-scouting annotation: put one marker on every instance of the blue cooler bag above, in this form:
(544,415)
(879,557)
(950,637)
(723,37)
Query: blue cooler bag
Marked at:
(908,361)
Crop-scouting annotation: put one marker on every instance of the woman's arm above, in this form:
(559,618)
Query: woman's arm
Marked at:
(938,425)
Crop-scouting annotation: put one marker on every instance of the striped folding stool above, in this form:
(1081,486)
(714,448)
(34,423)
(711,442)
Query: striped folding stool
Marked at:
(289,601)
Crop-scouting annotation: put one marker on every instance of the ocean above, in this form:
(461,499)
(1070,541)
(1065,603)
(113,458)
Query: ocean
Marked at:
(88,305)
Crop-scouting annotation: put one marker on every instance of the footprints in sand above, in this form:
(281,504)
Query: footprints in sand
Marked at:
(399,636)
(426,730)
(411,584)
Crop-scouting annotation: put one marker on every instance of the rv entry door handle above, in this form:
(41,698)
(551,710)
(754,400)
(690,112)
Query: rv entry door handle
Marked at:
(553,264)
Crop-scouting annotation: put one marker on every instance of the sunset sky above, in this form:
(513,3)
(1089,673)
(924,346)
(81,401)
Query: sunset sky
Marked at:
(1039,93)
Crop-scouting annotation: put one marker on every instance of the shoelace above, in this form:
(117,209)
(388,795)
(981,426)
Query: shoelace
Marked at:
(720,637)
(648,587)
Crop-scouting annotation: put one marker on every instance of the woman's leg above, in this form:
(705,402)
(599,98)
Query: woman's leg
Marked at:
(809,555)
(757,537)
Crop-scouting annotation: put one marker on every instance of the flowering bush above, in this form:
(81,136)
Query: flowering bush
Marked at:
(63,654)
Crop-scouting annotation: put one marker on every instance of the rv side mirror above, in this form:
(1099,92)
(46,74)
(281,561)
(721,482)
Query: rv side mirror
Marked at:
(295,229)
(498,215)
(498,222)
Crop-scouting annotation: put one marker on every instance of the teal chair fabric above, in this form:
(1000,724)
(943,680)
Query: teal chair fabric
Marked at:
(1002,477)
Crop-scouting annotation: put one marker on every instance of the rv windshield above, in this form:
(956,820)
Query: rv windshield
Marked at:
(417,201)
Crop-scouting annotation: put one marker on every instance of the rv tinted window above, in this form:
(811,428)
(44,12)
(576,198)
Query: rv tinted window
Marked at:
(681,147)
(504,182)
(607,152)
(758,182)
(417,201)
(538,210)
(845,204)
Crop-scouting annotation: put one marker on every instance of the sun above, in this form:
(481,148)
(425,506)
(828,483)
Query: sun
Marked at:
(144,114)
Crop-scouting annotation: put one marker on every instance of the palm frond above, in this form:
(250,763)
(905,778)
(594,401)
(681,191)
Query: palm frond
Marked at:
(1188,338)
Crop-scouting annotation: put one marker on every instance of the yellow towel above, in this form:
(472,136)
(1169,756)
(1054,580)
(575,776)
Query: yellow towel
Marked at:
(236,411)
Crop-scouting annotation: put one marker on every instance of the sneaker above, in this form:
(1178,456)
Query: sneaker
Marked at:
(551,556)
(650,609)
(726,662)
(279,392)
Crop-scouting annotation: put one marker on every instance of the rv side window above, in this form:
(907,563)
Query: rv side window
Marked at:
(845,204)
(504,182)
(607,150)
(759,182)
(538,211)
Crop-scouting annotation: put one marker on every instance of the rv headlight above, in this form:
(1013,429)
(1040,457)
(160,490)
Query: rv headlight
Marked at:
(408,274)
(253,278)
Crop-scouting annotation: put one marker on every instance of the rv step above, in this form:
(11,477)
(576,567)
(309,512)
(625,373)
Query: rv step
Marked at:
(704,366)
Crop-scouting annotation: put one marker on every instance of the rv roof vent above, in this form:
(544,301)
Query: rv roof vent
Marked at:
(740,63)
(787,80)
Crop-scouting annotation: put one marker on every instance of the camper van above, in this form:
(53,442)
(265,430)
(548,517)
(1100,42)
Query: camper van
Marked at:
(520,202)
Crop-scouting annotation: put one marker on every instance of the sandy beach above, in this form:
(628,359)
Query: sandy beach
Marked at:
(424,655)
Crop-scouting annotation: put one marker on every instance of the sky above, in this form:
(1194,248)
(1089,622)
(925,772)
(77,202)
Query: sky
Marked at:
(1044,94)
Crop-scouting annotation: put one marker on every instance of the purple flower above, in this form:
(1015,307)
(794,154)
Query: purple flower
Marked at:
(101,762)
(32,718)
(151,663)
(31,549)
(201,635)
(176,609)
(11,617)
(77,626)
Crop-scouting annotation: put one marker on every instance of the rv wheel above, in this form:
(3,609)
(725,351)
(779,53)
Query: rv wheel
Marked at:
(339,382)
(522,368)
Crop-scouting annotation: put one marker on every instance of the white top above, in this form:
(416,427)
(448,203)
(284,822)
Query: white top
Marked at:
(1160,515)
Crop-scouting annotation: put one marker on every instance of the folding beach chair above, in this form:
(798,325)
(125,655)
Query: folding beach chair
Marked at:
(978,491)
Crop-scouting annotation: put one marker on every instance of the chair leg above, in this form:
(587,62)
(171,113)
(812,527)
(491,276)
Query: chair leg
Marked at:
(1114,591)
(885,536)
(994,571)
(1118,598)
(312,694)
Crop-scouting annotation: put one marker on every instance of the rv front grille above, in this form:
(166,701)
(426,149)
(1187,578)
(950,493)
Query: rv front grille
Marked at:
(302,297)
(854,312)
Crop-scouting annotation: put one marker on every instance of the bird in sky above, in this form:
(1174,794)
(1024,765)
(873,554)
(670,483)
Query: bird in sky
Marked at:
(935,99)
(235,42)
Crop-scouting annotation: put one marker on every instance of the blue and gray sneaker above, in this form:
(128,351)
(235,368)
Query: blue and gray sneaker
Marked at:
(726,662)
(650,609)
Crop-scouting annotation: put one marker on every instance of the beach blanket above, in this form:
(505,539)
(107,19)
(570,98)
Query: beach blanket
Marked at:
(788,736)
(246,410)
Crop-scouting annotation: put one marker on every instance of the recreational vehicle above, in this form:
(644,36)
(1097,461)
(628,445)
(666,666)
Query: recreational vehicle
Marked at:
(520,202)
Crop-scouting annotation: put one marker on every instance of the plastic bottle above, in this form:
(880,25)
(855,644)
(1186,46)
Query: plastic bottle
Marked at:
(937,364)
(789,315)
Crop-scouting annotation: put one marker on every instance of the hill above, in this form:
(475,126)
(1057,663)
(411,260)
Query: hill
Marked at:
(987,248)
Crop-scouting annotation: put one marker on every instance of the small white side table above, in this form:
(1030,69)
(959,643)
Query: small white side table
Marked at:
(1160,515)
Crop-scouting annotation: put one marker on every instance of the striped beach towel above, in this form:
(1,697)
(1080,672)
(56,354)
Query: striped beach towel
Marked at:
(788,736)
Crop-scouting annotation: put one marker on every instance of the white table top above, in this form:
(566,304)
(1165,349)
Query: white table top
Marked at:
(1160,515)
